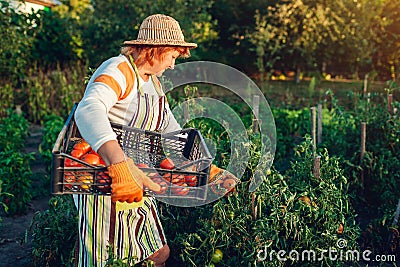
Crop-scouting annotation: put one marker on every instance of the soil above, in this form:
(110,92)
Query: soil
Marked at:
(15,238)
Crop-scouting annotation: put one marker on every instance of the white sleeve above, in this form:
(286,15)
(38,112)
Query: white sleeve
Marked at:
(91,115)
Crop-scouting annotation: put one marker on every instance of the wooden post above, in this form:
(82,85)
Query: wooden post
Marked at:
(319,130)
(390,103)
(313,127)
(254,206)
(256,106)
(362,149)
(365,84)
(363,139)
(186,111)
(317,166)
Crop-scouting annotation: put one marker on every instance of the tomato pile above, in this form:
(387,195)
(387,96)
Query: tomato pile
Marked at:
(83,180)
(181,183)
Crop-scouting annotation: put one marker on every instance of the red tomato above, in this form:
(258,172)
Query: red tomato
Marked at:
(142,165)
(91,159)
(163,188)
(191,180)
(69,178)
(93,152)
(86,181)
(102,162)
(229,183)
(83,146)
(181,190)
(157,180)
(104,182)
(167,177)
(177,178)
(340,229)
(77,153)
(71,163)
(167,163)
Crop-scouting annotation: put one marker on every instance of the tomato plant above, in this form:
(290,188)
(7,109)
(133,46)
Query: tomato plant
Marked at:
(13,131)
(288,211)
(54,233)
(52,127)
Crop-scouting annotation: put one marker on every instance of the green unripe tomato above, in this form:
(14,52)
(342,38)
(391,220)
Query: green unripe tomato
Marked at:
(217,256)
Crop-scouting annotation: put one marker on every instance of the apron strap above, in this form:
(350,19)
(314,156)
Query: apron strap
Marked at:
(153,79)
(157,85)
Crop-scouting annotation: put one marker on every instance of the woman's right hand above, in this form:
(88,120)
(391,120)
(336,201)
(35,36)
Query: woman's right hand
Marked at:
(128,181)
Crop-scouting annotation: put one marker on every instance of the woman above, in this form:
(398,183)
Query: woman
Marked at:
(125,90)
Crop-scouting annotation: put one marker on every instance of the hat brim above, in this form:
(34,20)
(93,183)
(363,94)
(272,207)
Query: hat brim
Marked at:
(160,42)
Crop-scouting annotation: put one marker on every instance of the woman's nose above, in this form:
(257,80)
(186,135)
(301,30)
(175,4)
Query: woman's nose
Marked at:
(172,66)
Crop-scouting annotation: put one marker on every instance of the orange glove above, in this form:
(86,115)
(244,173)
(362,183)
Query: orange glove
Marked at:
(127,182)
(222,181)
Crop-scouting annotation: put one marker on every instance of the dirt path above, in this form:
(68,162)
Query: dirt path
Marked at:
(15,239)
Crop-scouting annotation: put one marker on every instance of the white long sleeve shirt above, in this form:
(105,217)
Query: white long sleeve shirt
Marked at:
(112,96)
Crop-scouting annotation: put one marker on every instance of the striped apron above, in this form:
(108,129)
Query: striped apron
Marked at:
(132,232)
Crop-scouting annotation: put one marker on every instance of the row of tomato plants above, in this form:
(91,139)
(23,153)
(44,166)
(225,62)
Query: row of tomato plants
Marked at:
(369,187)
(294,209)
(289,211)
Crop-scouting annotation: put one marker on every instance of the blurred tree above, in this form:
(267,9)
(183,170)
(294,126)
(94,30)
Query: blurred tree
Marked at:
(360,35)
(53,44)
(235,19)
(290,34)
(343,36)
(388,54)
(14,43)
(72,12)
(113,22)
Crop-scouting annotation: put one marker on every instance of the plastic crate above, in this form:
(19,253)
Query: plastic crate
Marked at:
(186,148)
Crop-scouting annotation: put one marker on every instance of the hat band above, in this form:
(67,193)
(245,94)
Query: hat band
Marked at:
(159,34)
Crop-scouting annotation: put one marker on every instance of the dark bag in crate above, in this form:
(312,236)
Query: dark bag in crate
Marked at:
(184,149)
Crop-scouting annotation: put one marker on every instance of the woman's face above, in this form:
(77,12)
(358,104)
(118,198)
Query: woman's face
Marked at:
(166,61)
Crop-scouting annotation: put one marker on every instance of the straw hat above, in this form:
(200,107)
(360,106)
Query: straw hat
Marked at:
(160,29)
